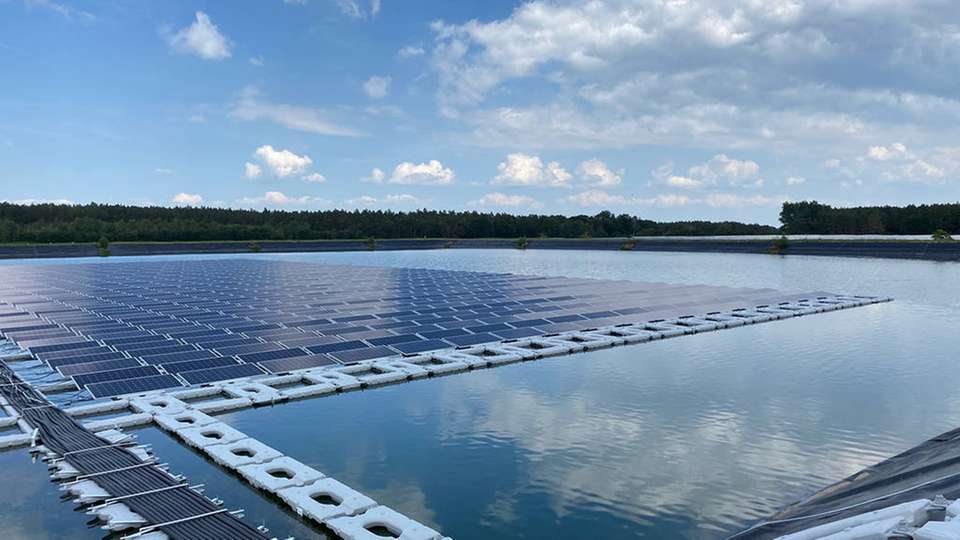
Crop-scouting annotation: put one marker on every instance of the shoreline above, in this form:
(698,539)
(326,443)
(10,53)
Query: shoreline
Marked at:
(890,249)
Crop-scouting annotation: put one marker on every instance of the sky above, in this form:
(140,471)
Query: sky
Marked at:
(667,109)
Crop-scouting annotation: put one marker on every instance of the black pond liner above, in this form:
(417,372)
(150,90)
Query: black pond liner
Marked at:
(923,472)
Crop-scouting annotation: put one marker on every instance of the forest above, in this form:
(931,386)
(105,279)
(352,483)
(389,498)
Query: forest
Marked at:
(45,223)
(811,217)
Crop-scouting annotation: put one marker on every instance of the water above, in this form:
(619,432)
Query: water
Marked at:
(693,437)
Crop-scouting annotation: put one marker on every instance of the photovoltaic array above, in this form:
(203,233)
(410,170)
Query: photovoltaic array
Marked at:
(135,326)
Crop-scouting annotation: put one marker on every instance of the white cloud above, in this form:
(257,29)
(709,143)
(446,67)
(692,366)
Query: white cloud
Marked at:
(31,202)
(283,162)
(411,51)
(603,199)
(719,169)
(316,178)
(596,173)
(431,173)
(202,38)
(795,180)
(63,10)
(252,107)
(504,200)
(377,87)
(731,200)
(279,198)
(376,176)
(885,153)
(163,170)
(257,60)
(189,199)
(526,170)
(356,10)
(251,170)
(403,199)
(784,74)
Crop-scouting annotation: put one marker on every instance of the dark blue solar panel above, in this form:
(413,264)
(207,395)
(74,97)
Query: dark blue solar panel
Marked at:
(390,340)
(488,328)
(444,333)
(91,367)
(193,365)
(472,339)
(566,318)
(356,355)
(132,386)
(64,347)
(518,333)
(299,362)
(202,376)
(82,358)
(529,322)
(340,346)
(143,337)
(272,355)
(414,347)
(115,375)
(195,354)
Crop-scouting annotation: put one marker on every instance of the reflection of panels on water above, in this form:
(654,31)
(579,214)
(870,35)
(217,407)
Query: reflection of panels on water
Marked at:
(142,326)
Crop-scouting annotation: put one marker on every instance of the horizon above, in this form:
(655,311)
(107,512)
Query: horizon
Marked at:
(715,111)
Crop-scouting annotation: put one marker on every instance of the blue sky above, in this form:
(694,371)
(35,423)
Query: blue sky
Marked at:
(714,109)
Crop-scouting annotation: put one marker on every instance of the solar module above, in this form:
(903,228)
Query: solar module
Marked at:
(224,373)
(131,386)
(192,316)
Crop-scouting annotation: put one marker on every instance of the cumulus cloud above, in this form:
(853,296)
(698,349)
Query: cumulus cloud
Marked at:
(732,200)
(432,173)
(885,153)
(703,73)
(257,60)
(31,202)
(283,162)
(278,198)
(795,180)
(497,199)
(402,199)
(251,170)
(189,199)
(315,178)
(526,170)
(376,176)
(377,87)
(719,169)
(202,38)
(251,106)
(602,199)
(596,173)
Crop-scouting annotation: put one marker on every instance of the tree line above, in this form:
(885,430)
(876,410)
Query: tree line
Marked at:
(44,223)
(811,217)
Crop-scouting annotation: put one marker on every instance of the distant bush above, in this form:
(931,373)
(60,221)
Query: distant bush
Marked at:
(371,243)
(522,242)
(103,246)
(941,235)
(628,246)
(254,247)
(779,245)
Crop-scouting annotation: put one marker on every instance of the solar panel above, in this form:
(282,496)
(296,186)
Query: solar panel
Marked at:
(195,354)
(413,347)
(90,367)
(395,339)
(272,355)
(132,386)
(202,376)
(471,339)
(64,347)
(299,362)
(193,365)
(339,346)
(115,375)
(83,358)
(356,355)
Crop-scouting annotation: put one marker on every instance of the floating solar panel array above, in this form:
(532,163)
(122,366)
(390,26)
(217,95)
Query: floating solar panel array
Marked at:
(133,327)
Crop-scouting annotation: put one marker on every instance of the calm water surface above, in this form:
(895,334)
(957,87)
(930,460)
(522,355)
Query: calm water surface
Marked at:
(693,437)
